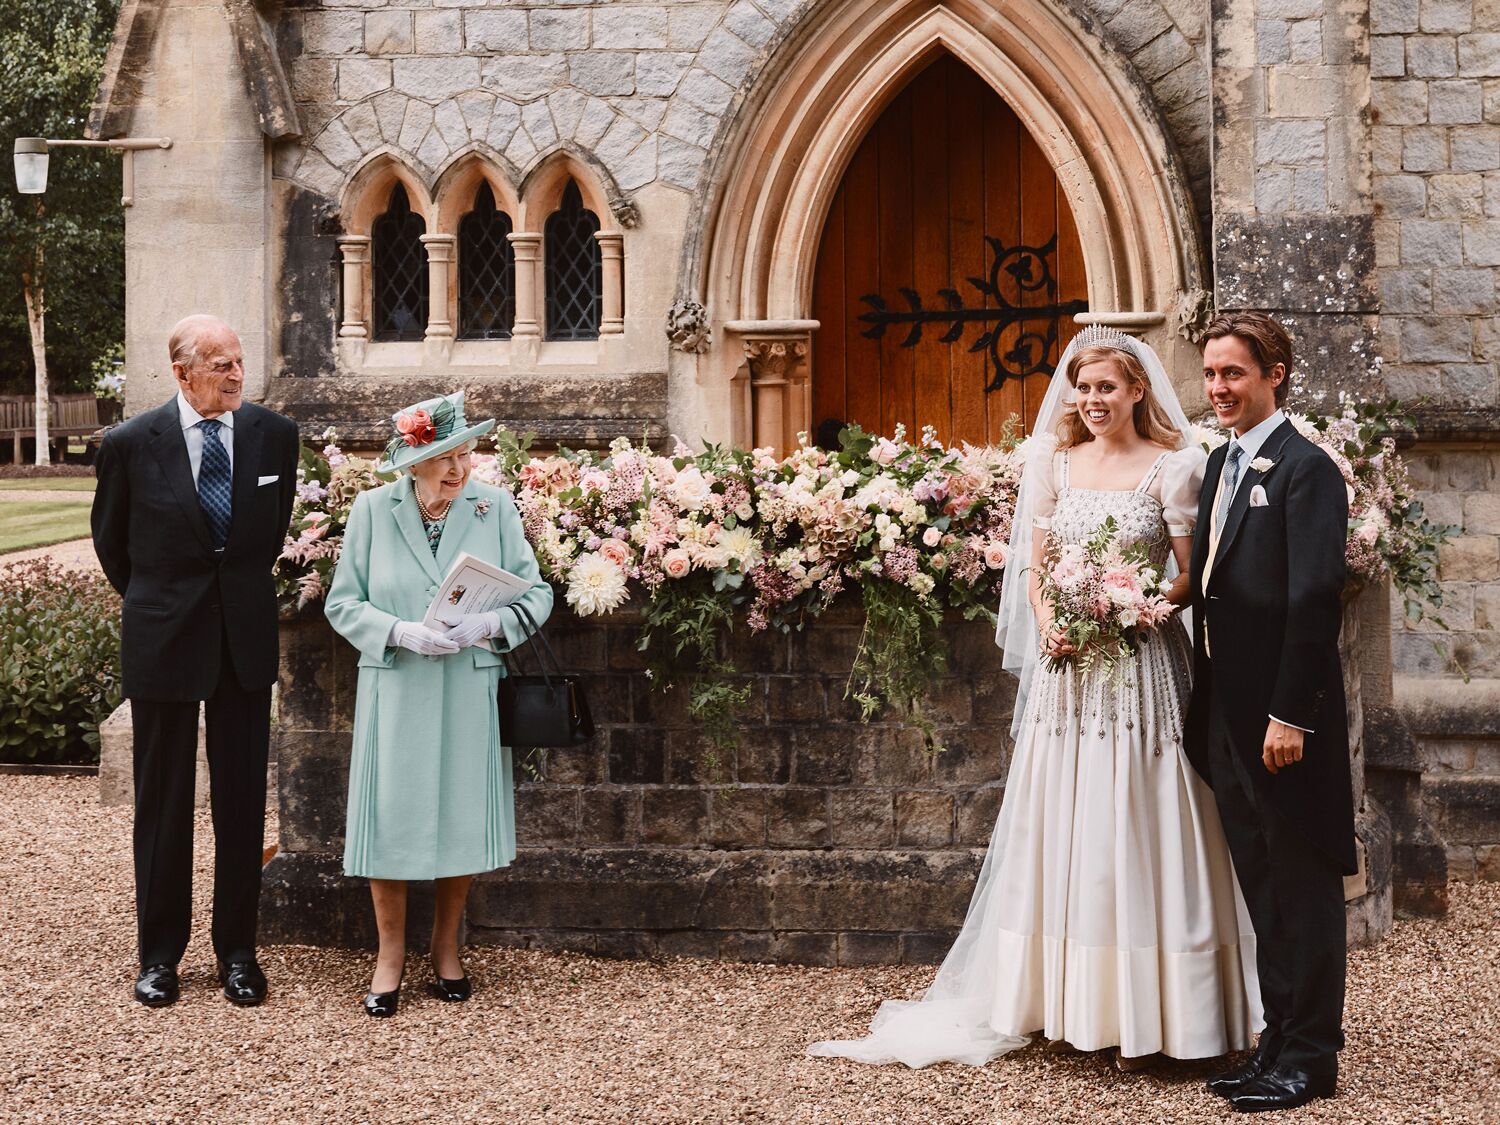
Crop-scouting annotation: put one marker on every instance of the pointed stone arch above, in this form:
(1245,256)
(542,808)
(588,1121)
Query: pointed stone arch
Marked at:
(751,254)
(543,186)
(368,189)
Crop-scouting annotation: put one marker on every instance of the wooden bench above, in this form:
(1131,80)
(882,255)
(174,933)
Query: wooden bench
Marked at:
(73,415)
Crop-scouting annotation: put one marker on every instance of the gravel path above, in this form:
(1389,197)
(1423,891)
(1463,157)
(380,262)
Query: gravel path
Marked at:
(75,554)
(19,495)
(565,1038)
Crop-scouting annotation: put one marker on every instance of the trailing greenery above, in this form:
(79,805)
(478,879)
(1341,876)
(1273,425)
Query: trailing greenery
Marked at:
(59,662)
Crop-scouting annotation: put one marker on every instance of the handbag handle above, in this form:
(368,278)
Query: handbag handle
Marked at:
(546,659)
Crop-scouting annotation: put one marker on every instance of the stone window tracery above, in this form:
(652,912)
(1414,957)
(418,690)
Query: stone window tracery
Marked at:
(574,270)
(486,271)
(399,274)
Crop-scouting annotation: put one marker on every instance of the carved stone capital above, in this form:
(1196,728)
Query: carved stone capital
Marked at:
(773,361)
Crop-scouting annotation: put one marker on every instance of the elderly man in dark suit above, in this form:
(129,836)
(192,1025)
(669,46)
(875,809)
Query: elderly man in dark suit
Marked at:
(191,512)
(1266,725)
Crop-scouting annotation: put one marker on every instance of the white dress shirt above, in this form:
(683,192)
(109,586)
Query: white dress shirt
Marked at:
(194,436)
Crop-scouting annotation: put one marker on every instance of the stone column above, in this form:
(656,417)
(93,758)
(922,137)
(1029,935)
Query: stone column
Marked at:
(612,251)
(776,352)
(355,251)
(526,334)
(438,342)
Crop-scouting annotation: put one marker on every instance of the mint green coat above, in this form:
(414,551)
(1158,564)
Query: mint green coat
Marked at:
(430,789)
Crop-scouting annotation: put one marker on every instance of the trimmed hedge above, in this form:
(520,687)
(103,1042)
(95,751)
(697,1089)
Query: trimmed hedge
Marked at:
(59,662)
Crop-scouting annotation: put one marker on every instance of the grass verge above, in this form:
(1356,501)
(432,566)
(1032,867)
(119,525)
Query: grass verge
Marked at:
(40,523)
(49,484)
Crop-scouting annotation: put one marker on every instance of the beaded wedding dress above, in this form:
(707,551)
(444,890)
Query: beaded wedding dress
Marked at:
(1107,912)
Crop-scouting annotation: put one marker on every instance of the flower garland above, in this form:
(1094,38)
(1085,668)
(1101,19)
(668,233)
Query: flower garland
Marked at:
(706,540)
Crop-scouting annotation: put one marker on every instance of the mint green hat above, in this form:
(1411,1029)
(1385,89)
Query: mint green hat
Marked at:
(429,429)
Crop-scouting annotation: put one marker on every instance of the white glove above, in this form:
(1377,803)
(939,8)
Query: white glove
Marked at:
(421,640)
(472,628)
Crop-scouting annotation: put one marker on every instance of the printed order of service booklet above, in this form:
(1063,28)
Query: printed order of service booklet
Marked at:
(472,586)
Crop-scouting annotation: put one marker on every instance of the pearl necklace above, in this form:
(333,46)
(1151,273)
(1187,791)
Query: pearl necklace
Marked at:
(427,516)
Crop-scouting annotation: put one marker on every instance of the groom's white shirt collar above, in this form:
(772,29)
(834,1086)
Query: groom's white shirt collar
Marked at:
(1256,436)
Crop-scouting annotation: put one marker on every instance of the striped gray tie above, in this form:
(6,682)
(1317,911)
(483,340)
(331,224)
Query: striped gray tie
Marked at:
(1231,480)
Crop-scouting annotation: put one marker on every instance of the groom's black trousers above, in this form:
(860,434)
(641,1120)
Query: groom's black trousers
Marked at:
(1295,895)
(238,732)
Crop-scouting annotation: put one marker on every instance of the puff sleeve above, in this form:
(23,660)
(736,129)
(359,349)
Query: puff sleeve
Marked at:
(1181,484)
(1043,470)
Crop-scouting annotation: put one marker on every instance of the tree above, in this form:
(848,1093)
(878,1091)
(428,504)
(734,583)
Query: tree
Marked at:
(61,253)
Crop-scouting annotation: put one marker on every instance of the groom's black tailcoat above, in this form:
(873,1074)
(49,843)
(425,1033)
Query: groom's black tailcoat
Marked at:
(196,625)
(1272,613)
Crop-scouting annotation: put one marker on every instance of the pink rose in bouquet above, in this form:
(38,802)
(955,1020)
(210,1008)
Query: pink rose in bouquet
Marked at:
(1105,597)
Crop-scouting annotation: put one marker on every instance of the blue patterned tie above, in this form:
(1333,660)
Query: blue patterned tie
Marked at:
(1231,480)
(214,481)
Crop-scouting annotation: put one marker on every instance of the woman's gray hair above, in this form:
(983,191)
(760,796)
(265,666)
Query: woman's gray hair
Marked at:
(467,447)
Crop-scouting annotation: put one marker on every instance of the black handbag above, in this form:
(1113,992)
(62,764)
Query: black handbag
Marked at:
(545,709)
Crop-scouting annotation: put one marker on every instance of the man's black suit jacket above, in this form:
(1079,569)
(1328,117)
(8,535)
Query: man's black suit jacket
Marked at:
(156,549)
(1273,611)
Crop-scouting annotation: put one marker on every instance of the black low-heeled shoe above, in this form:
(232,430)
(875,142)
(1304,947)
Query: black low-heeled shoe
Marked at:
(454,991)
(383,1005)
(243,981)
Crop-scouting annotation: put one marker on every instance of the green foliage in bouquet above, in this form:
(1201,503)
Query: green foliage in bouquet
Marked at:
(59,662)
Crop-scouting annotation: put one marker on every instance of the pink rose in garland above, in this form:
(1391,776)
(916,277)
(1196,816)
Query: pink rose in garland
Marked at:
(676,563)
(416,428)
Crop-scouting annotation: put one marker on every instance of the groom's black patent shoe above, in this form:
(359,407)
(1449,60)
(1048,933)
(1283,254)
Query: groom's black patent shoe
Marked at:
(244,983)
(1262,1060)
(1282,1087)
(157,986)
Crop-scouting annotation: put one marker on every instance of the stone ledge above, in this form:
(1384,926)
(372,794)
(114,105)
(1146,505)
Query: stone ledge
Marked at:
(1470,425)
(569,409)
(1448,708)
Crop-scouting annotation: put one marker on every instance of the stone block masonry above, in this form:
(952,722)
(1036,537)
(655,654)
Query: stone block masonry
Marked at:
(1435,125)
(818,839)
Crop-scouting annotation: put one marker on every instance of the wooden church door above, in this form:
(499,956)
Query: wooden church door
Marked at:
(948,272)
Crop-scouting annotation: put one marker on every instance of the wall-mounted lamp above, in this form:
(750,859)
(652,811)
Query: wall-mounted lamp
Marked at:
(31,160)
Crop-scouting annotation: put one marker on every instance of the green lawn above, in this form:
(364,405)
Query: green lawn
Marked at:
(48,484)
(40,523)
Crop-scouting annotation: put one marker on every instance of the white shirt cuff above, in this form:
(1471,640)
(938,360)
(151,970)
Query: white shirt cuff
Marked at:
(1294,726)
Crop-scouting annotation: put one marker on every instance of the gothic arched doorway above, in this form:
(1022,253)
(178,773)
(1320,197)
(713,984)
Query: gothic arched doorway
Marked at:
(946,241)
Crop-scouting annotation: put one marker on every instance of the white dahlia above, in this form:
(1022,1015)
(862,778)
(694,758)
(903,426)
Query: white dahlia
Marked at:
(595,585)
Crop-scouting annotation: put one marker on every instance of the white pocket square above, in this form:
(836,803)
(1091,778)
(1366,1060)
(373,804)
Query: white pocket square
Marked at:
(1258,496)
(272,479)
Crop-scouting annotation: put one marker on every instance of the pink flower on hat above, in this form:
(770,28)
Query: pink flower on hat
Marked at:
(415,427)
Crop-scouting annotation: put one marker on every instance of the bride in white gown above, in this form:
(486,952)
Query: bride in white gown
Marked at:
(1106,913)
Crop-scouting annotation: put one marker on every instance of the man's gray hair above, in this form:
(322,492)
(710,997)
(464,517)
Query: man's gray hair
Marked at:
(182,345)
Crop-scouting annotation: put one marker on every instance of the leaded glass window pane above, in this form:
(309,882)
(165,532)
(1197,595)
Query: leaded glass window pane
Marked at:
(486,272)
(575,270)
(398,263)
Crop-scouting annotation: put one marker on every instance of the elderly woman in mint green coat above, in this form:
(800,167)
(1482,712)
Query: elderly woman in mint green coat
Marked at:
(430,791)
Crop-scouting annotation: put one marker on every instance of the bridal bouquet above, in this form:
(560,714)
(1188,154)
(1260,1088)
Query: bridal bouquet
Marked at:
(1104,596)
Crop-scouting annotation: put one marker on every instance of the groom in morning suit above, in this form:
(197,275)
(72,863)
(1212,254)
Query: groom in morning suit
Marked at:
(1266,725)
(191,512)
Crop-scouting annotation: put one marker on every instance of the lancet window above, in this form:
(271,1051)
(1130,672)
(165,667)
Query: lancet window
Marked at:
(574,270)
(399,295)
(486,271)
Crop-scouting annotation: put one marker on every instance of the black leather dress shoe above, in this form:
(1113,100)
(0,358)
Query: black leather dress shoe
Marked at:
(244,983)
(455,991)
(1262,1060)
(1282,1087)
(382,1005)
(157,986)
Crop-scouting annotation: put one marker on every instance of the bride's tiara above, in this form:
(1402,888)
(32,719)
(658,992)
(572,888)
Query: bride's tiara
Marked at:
(1101,335)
